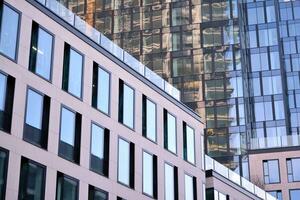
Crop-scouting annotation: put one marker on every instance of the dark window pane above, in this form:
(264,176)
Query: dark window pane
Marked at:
(97,194)
(67,188)
(3,172)
(32,180)
(9,33)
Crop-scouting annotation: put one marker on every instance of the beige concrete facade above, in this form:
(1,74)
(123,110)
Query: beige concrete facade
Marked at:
(257,172)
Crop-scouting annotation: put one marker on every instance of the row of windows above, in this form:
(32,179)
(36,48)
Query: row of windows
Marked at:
(263,36)
(32,180)
(41,64)
(294,194)
(272,171)
(221,10)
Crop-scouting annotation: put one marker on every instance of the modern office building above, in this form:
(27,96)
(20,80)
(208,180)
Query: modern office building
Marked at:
(79,121)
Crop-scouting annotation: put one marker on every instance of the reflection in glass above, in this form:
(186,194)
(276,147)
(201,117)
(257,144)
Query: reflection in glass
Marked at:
(170,132)
(188,187)
(97,194)
(75,73)
(34,109)
(3,172)
(189,144)
(148,174)
(124,162)
(169,182)
(149,119)
(67,127)
(67,188)
(9,33)
(3,82)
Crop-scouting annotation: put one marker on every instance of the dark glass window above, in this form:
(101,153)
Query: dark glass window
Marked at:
(40,61)
(294,194)
(97,194)
(66,188)
(126,104)
(32,180)
(150,174)
(293,166)
(171,182)
(3,172)
(188,143)
(277,194)
(170,141)
(9,33)
(190,187)
(271,171)
(72,72)
(99,150)
(149,119)
(37,118)
(126,163)
(70,131)
(7,87)
(101,89)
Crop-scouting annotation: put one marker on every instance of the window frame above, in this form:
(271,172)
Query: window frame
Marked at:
(65,176)
(292,173)
(92,189)
(68,47)
(75,160)
(39,26)
(154,174)
(44,133)
(278,166)
(194,179)
(144,118)
(176,185)
(97,66)
(165,130)
(25,160)
(106,148)
(185,146)
(121,116)
(15,59)
(131,184)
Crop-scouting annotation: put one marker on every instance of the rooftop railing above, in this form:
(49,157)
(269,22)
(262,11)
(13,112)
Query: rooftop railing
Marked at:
(109,46)
(211,164)
(275,142)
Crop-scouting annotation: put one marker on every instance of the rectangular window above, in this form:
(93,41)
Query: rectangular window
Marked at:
(7,87)
(3,172)
(293,166)
(32,180)
(294,194)
(188,143)
(37,118)
(190,187)
(9,34)
(149,119)
(126,104)
(40,60)
(149,174)
(126,163)
(99,161)
(72,72)
(101,89)
(171,182)
(97,194)
(277,194)
(70,131)
(271,171)
(67,187)
(170,142)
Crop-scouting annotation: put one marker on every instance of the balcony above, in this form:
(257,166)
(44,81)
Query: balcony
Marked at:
(274,142)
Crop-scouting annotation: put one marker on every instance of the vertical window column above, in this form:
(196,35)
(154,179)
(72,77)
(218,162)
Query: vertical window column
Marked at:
(7,87)
(32,180)
(70,133)
(99,161)
(37,118)
(126,163)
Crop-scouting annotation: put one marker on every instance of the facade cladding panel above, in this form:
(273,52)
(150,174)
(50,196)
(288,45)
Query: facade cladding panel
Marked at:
(235,62)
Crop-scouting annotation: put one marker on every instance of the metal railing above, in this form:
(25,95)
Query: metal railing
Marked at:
(109,46)
(275,142)
(211,164)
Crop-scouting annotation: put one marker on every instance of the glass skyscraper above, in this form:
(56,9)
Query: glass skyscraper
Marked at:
(236,62)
